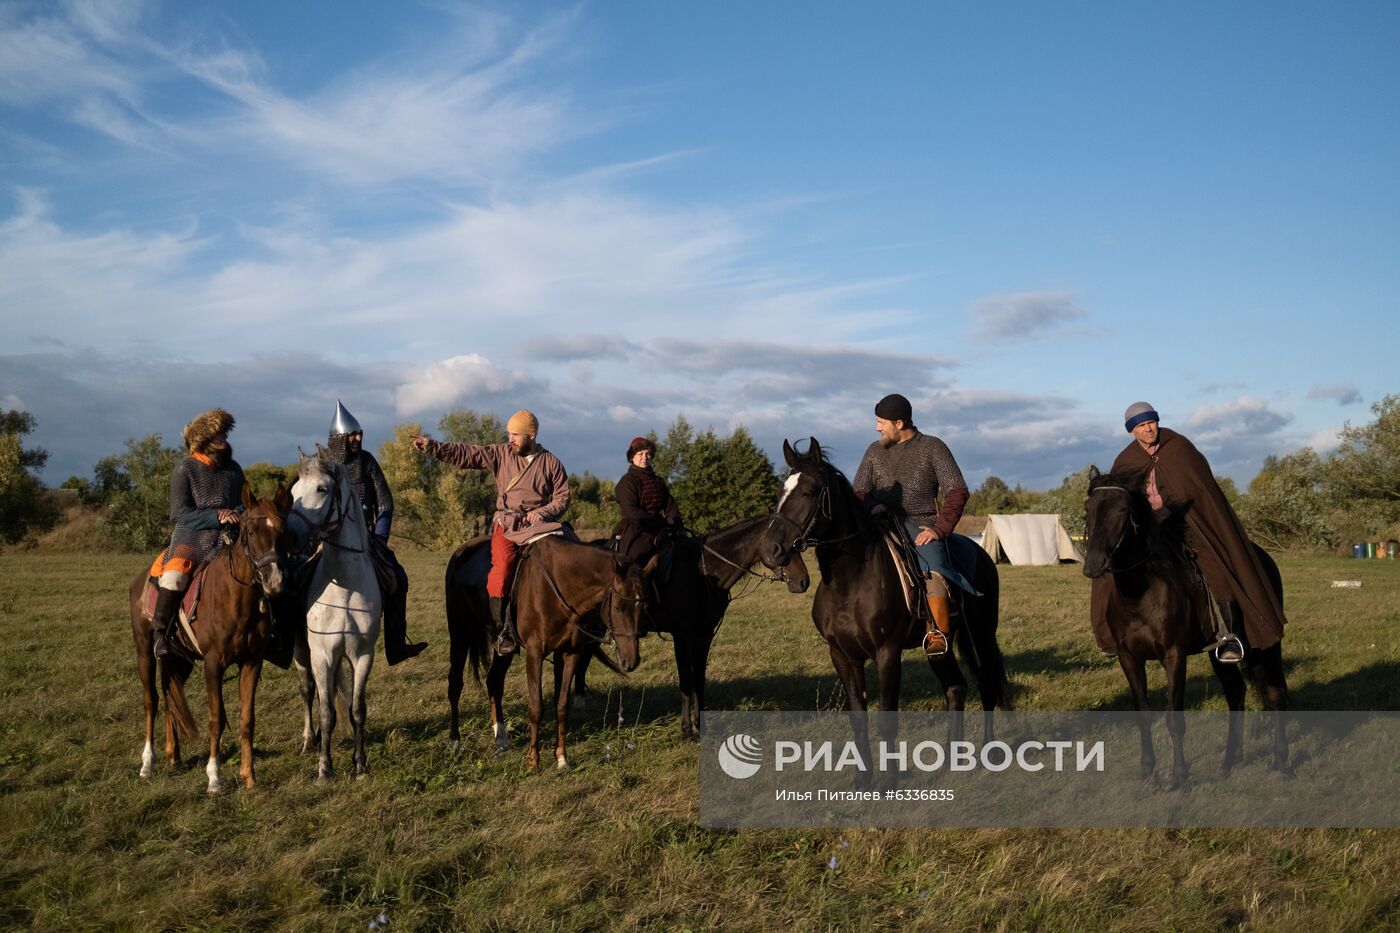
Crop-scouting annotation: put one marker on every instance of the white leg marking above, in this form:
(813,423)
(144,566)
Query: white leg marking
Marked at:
(562,764)
(148,759)
(212,769)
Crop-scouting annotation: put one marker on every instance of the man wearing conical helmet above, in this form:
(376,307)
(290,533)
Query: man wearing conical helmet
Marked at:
(206,497)
(346,443)
(532,494)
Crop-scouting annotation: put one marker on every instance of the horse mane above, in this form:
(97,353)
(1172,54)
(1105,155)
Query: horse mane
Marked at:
(834,476)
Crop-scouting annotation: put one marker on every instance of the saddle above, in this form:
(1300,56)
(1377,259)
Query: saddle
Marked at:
(907,563)
(189,606)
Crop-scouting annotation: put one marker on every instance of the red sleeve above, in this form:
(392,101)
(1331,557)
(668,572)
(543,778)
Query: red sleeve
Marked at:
(953,502)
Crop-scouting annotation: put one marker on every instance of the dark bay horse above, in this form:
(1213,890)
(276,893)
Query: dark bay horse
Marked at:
(692,601)
(859,608)
(231,626)
(569,599)
(1158,608)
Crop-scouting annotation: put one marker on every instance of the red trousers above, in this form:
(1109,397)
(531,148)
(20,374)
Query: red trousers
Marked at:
(504,554)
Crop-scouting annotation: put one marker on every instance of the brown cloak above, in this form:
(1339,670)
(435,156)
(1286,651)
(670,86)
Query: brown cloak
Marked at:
(1227,559)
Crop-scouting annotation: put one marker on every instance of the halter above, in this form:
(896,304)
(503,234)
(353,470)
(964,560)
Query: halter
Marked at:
(1132,523)
(259,564)
(336,515)
(608,637)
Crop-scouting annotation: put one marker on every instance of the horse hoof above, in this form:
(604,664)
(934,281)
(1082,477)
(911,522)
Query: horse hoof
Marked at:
(362,776)
(562,764)
(146,771)
(214,790)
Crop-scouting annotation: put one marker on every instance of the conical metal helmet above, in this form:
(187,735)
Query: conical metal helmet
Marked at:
(344,422)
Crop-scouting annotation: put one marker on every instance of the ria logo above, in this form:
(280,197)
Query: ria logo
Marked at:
(741,756)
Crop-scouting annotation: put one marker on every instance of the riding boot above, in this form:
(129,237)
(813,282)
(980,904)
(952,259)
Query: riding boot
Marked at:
(939,627)
(163,621)
(396,646)
(506,643)
(280,643)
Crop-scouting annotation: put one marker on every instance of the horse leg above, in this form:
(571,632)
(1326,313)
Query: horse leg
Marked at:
(685,678)
(1232,684)
(852,675)
(1175,665)
(214,685)
(1267,674)
(360,666)
(146,673)
(325,661)
(534,684)
(495,692)
(950,675)
(561,705)
(580,702)
(457,661)
(1135,669)
(248,675)
(310,735)
(699,667)
(889,662)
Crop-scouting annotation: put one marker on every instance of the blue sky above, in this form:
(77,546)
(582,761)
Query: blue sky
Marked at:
(1024,216)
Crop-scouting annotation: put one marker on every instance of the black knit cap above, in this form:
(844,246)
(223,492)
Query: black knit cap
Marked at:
(895,408)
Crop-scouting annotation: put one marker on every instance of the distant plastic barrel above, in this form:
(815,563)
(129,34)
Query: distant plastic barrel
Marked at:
(1392,549)
(1370,549)
(1358,549)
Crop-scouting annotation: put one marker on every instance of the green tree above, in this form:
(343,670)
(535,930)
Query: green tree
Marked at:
(138,502)
(1285,506)
(24,507)
(1362,477)
(1067,501)
(263,477)
(438,506)
(716,481)
(592,503)
(993,497)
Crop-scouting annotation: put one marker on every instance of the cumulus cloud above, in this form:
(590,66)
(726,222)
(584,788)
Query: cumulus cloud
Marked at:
(1023,316)
(449,381)
(1343,393)
(1244,416)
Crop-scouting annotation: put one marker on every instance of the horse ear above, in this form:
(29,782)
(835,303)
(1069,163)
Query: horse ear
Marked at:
(282,499)
(789,454)
(814,449)
(1094,472)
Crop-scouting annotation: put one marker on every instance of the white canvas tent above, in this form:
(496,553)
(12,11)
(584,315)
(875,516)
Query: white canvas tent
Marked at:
(1028,539)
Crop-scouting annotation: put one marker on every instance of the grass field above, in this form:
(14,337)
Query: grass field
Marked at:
(437,839)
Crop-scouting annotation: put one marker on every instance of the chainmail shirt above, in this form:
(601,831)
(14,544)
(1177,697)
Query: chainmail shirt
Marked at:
(197,492)
(908,477)
(367,479)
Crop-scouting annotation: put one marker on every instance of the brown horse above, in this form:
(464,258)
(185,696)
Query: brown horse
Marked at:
(570,599)
(232,626)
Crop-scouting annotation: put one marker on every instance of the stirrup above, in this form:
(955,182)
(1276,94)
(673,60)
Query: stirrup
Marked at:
(935,652)
(1223,642)
(506,645)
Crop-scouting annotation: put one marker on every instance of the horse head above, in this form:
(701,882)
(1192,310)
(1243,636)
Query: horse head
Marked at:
(315,497)
(629,596)
(1110,515)
(803,508)
(260,534)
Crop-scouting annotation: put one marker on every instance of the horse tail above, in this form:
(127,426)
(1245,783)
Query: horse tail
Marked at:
(465,628)
(344,687)
(981,632)
(176,707)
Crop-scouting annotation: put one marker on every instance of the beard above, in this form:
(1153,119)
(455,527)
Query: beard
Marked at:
(526,447)
(888,442)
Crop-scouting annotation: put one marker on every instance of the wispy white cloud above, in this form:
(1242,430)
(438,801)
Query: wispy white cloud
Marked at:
(1343,393)
(1023,316)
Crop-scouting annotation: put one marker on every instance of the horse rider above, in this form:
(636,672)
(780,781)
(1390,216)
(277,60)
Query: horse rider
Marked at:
(206,500)
(1179,481)
(346,443)
(532,494)
(649,513)
(904,471)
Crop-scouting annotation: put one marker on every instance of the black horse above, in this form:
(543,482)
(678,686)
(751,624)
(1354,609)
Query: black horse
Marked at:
(691,602)
(860,606)
(692,599)
(1158,607)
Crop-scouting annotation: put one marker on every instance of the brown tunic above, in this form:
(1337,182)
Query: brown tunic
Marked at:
(537,488)
(1227,559)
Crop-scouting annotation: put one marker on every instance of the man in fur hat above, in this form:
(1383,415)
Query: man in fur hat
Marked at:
(206,497)
(532,494)
(346,444)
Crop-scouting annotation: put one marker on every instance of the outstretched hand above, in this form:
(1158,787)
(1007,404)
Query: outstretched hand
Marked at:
(420,442)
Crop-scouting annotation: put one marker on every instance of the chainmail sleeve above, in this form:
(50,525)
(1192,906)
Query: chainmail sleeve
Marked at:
(384,520)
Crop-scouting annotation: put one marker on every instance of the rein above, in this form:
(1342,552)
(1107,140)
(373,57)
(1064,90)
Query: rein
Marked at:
(607,638)
(779,576)
(804,538)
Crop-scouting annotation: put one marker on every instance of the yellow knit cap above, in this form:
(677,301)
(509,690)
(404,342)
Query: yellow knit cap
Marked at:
(523,422)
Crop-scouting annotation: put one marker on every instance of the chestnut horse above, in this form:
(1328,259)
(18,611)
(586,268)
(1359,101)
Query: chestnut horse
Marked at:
(231,626)
(570,600)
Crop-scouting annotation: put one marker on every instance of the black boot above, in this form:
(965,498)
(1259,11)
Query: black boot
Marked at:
(396,646)
(505,643)
(163,621)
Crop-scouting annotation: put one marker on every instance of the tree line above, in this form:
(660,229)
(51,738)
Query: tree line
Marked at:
(1301,500)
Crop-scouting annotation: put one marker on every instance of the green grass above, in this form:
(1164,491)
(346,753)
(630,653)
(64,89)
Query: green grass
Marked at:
(437,838)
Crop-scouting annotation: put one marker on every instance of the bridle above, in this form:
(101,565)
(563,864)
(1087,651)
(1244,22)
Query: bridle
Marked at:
(336,514)
(1122,535)
(804,538)
(259,564)
(778,576)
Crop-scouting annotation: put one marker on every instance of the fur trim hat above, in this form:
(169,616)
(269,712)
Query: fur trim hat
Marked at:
(202,428)
(523,422)
(639,443)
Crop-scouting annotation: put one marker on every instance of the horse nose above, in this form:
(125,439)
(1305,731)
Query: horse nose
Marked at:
(274,580)
(771,553)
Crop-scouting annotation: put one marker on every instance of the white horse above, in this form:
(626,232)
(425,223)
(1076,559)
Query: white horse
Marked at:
(343,606)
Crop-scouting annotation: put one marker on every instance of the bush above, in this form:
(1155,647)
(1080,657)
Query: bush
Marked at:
(24,508)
